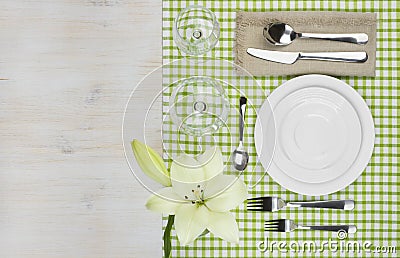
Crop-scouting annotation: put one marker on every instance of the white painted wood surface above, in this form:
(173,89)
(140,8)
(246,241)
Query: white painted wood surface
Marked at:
(65,188)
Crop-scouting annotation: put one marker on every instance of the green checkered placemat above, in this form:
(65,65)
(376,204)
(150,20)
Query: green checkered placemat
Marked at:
(375,192)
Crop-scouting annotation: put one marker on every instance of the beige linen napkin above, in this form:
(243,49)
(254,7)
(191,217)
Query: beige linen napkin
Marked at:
(249,28)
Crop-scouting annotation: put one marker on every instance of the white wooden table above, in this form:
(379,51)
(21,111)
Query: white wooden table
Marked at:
(68,68)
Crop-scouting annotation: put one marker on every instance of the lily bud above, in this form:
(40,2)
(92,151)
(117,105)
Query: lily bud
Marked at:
(151,163)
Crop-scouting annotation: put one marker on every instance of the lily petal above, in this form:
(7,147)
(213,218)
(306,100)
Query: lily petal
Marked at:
(212,162)
(164,201)
(223,225)
(228,197)
(186,176)
(187,170)
(151,163)
(190,222)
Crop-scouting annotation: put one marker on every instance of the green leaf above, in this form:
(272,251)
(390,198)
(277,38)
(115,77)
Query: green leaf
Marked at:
(167,237)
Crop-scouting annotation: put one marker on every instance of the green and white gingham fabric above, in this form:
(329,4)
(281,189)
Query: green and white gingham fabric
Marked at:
(376,191)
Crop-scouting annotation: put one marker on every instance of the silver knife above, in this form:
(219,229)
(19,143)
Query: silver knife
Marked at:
(292,57)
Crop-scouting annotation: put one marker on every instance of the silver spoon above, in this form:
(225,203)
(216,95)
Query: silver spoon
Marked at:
(240,157)
(281,34)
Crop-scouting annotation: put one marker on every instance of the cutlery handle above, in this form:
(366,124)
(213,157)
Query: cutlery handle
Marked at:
(351,57)
(348,228)
(356,38)
(335,204)
(242,111)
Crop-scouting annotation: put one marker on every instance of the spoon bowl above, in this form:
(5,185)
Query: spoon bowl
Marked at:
(279,34)
(240,158)
(282,34)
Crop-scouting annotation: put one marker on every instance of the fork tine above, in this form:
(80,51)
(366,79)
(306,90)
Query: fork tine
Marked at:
(271,226)
(270,229)
(274,221)
(256,199)
(278,225)
(255,204)
(258,208)
(252,209)
(271,222)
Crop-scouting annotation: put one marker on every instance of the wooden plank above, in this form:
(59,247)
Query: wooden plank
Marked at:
(65,187)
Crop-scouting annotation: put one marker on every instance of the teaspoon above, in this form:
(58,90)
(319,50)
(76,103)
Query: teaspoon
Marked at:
(240,157)
(281,34)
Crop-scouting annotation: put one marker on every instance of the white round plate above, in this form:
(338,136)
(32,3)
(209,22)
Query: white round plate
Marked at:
(325,135)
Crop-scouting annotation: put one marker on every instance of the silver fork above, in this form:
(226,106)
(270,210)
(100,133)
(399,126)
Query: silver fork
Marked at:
(287,225)
(274,204)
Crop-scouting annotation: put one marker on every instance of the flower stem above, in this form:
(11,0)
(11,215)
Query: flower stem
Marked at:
(167,236)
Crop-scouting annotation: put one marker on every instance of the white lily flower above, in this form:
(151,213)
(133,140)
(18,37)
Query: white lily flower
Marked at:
(201,198)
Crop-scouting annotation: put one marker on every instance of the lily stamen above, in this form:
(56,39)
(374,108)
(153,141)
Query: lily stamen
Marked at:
(199,194)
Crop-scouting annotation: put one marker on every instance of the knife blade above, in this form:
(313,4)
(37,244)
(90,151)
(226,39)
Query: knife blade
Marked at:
(292,57)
